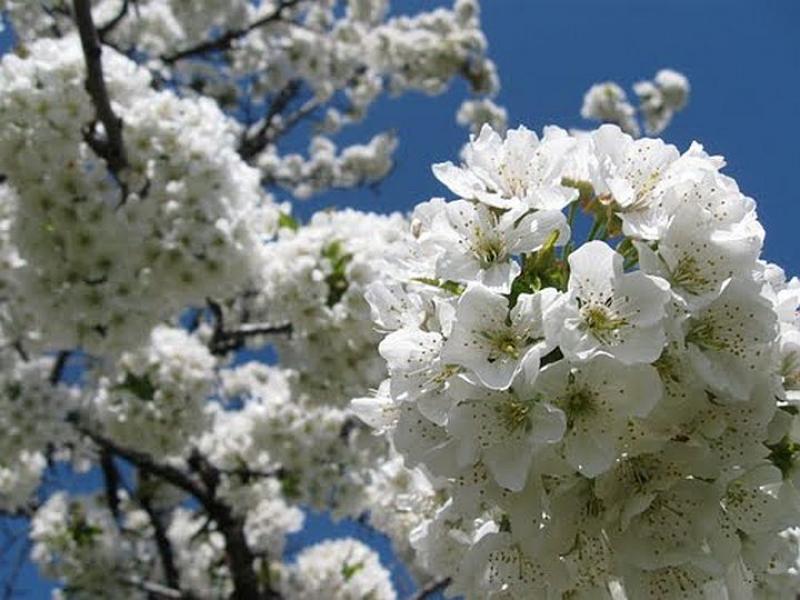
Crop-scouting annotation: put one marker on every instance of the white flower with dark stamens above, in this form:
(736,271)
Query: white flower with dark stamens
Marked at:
(635,481)
(418,372)
(497,567)
(698,258)
(492,341)
(686,581)
(634,173)
(760,501)
(479,244)
(673,527)
(507,173)
(599,399)
(505,429)
(697,182)
(730,340)
(790,363)
(608,311)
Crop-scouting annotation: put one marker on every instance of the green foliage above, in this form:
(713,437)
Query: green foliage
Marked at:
(287,221)
(540,269)
(337,278)
(783,455)
(139,386)
(349,570)
(448,286)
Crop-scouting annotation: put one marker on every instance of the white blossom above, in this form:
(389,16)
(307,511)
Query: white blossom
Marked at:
(342,569)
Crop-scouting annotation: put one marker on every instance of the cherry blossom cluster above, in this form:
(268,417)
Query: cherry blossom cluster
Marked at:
(318,454)
(76,541)
(343,569)
(332,57)
(659,100)
(609,419)
(157,397)
(32,418)
(94,246)
(315,276)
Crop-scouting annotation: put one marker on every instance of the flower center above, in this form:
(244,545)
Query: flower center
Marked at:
(644,190)
(515,414)
(516,186)
(503,344)
(687,274)
(580,402)
(703,333)
(489,250)
(602,321)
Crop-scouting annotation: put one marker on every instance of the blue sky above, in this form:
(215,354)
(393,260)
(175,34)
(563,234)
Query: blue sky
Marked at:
(743,60)
(742,57)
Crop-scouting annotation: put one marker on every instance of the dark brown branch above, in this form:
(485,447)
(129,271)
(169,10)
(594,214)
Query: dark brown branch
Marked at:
(109,27)
(111,148)
(255,143)
(225,41)
(437,585)
(155,590)
(20,350)
(164,546)
(58,367)
(240,558)
(144,461)
(111,483)
(224,341)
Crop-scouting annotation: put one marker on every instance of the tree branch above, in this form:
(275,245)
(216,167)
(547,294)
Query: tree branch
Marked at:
(437,585)
(144,461)
(231,526)
(111,148)
(111,483)
(225,41)
(104,30)
(254,144)
(153,589)
(240,558)
(164,546)
(58,367)
(224,341)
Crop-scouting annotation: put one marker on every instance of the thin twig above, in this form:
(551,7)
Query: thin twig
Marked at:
(109,27)
(155,590)
(240,557)
(111,483)
(163,544)
(252,145)
(144,461)
(111,148)
(437,585)
(58,367)
(225,41)
(224,341)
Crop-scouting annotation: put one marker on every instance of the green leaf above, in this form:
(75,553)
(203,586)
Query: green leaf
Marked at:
(290,486)
(783,455)
(452,287)
(349,570)
(337,279)
(287,221)
(139,386)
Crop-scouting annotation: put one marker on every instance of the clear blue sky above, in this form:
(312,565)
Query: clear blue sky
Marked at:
(742,57)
